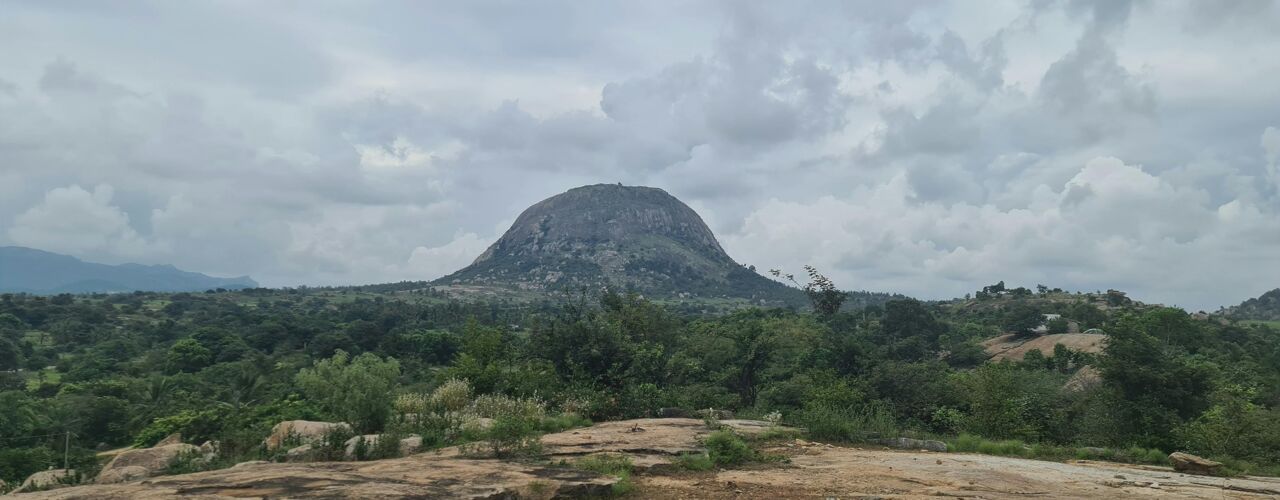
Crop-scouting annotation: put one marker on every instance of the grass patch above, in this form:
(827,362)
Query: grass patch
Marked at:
(777,433)
(563,422)
(969,443)
(694,462)
(617,465)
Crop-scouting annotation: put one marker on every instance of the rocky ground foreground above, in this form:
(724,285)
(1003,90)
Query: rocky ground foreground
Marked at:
(813,470)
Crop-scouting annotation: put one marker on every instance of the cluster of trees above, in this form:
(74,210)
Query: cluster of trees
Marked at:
(127,369)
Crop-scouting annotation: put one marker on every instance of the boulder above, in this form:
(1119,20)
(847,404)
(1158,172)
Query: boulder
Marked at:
(46,480)
(410,445)
(209,448)
(349,447)
(674,413)
(904,443)
(1191,464)
(175,438)
(302,453)
(305,431)
(122,474)
(145,462)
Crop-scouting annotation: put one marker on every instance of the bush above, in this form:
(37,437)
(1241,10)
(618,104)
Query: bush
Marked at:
(509,436)
(498,406)
(828,423)
(726,448)
(195,426)
(453,395)
(356,391)
(562,422)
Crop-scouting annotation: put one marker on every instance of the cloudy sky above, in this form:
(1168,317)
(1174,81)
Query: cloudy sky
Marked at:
(926,148)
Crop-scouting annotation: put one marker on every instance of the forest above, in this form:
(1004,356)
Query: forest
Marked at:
(81,374)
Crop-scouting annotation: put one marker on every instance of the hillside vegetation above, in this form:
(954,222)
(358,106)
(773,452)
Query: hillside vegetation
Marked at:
(114,370)
(1263,308)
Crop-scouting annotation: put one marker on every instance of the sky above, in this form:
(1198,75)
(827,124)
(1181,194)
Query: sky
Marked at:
(925,148)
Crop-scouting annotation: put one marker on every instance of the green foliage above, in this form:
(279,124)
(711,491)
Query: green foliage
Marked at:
(195,426)
(357,391)
(189,355)
(1008,402)
(826,422)
(694,461)
(227,366)
(509,436)
(725,448)
(1022,319)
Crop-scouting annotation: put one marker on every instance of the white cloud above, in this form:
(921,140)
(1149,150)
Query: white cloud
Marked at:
(431,263)
(1131,227)
(910,146)
(73,220)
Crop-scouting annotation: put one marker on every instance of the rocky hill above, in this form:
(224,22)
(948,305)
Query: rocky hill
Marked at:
(625,237)
(36,271)
(1265,307)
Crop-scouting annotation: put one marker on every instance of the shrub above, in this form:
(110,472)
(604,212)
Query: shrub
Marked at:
(498,406)
(562,422)
(827,423)
(726,448)
(508,437)
(195,426)
(357,391)
(453,395)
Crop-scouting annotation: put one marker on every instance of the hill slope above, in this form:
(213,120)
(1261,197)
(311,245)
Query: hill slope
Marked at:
(36,271)
(1265,307)
(639,238)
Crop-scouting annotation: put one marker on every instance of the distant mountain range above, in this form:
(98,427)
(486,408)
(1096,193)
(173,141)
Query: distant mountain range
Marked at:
(27,270)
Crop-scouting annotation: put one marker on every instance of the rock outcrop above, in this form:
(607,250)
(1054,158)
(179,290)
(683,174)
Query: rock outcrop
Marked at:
(305,431)
(175,438)
(622,236)
(46,480)
(145,462)
(1191,464)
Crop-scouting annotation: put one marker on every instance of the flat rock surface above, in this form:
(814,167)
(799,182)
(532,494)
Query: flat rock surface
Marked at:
(814,471)
(823,471)
(1014,348)
(419,476)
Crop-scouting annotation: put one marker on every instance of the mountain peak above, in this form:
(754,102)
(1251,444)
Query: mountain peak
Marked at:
(613,235)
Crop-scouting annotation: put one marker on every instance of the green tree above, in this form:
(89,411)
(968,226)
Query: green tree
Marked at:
(188,355)
(357,391)
(10,355)
(1023,319)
